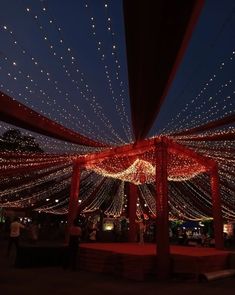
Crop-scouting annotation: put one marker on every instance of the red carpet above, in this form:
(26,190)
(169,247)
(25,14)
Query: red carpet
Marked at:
(135,261)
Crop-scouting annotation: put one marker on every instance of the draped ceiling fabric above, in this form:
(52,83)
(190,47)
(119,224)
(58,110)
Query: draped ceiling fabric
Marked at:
(157,33)
(136,163)
(228,136)
(19,115)
(147,43)
(209,126)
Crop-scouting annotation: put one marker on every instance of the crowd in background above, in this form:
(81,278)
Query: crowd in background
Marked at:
(113,230)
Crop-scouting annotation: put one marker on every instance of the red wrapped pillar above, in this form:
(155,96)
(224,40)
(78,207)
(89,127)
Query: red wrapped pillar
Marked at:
(162,211)
(217,210)
(73,200)
(133,192)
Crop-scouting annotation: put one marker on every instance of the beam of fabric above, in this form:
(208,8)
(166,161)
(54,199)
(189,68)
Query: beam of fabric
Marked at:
(228,136)
(157,34)
(179,148)
(26,169)
(208,126)
(17,114)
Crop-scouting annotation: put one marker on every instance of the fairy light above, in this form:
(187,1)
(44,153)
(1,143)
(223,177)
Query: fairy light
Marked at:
(55,208)
(29,91)
(179,168)
(101,195)
(52,145)
(148,198)
(24,161)
(100,50)
(54,105)
(186,173)
(179,201)
(86,93)
(89,185)
(33,199)
(116,207)
(35,183)
(227,196)
(199,195)
(18,179)
(220,106)
(217,151)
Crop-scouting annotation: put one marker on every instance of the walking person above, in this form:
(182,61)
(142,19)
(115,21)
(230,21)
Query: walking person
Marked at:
(15,228)
(75,233)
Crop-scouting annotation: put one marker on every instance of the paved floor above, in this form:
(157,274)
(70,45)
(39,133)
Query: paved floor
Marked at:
(45,281)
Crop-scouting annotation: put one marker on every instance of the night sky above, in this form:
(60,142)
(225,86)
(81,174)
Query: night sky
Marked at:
(67,60)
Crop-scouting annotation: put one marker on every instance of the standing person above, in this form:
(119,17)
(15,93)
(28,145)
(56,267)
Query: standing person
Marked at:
(142,228)
(15,227)
(75,233)
(33,232)
(92,235)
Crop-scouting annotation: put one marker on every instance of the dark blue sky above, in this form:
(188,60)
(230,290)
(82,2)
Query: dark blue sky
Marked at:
(206,75)
(68,61)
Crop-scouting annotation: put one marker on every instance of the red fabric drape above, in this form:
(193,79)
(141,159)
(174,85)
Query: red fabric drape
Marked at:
(209,126)
(157,33)
(177,148)
(15,113)
(229,136)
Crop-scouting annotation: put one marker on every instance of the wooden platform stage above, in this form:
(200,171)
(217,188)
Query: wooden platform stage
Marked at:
(138,262)
(129,260)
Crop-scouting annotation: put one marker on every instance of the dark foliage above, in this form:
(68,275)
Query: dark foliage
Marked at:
(13,140)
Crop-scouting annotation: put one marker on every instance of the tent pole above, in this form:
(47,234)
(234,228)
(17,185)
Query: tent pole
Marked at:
(217,210)
(162,212)
(73,200)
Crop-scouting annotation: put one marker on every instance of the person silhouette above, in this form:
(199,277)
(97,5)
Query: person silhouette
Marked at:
(142,228)
(75,233)
(15,227)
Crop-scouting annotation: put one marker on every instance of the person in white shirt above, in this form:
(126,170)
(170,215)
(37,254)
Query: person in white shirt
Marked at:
(14,234)
(142,228)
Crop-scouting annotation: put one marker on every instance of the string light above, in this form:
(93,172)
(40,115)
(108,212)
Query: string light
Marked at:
(80,85)
(189,188)
(55,107)
(211,105)
(116,207)
(108,72)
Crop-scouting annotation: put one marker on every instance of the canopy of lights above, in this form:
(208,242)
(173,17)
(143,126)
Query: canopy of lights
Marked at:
(92,85)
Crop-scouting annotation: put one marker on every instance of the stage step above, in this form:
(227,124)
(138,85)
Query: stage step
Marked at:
(196,265)
(215,275)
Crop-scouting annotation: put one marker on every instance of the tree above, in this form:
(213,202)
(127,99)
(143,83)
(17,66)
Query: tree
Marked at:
(13,140)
